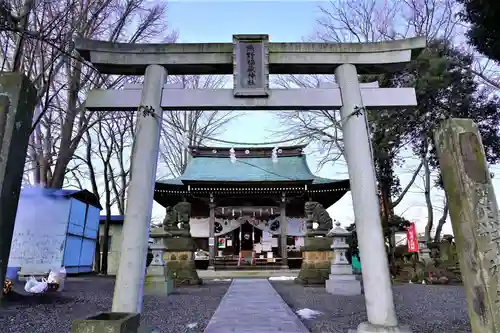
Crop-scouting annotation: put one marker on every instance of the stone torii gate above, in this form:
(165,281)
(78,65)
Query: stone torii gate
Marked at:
(251,58)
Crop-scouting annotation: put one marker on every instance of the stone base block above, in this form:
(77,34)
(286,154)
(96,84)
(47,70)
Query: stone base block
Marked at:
(155,270)
(180,244)
(345,285)
(181,268)
(315,267)
(159,285)
(108,322)
(317,244)
(370,328)
(341,270)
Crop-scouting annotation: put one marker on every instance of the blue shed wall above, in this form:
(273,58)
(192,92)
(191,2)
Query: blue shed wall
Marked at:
(81,237)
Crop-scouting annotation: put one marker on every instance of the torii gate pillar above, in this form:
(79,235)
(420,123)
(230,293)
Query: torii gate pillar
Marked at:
(358,153)
(129,285)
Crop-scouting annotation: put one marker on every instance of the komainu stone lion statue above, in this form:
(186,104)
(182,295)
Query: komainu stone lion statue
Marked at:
(315,212)
(176,219)
(170,220)
(182,211)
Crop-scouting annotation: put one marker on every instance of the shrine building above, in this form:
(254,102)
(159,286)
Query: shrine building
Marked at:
(248,203)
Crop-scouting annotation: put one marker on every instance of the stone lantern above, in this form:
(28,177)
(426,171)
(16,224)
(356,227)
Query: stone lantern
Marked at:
(342,281)
(424,251)
(157,279)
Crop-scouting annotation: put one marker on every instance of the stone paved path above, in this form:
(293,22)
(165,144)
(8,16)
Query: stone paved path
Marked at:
(253,306)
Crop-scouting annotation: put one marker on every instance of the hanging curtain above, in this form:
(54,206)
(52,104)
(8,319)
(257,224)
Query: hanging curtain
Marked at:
(295,226)
(200,226)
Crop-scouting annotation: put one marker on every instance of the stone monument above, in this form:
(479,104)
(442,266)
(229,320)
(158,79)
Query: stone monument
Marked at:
(17,102)
(179,246)
(342,281)
(316,253)
(475,219)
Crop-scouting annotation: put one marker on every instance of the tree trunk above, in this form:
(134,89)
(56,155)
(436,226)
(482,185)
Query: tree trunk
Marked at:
(386,217)
(23,26)
(97,254)
(407,188)
(105,242)
(428,201)
(442,221)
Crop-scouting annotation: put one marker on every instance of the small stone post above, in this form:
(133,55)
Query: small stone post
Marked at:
(474,217)
(342,281)
(17,103)
(157,279)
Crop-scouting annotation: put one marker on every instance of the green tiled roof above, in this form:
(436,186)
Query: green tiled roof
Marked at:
(256,169)
(171,181)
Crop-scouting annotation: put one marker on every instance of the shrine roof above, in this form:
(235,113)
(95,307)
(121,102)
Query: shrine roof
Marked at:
(214,165)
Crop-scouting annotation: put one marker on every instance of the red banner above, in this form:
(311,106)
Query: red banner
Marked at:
(411,236)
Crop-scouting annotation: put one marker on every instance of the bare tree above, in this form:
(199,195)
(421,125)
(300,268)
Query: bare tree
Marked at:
(61,128)
(371,21)
(182,129)
(122,140)
(105,152)
(62,79)
(320,129)
(377,20)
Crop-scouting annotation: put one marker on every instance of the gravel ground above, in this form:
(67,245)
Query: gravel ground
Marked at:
(187,310)
(427,309)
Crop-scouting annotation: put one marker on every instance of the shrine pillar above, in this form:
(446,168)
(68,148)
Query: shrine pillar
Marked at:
(211,233)
(380,308)
(283,237)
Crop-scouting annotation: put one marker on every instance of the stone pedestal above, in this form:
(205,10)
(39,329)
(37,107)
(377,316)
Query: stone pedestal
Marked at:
(316,260)
(179,258)
(341,280)
(344,283)
(108,322)
(157,280)
(371,328)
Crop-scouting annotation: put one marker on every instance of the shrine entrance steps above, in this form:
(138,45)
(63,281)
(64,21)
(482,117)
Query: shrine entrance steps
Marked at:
(253,306)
